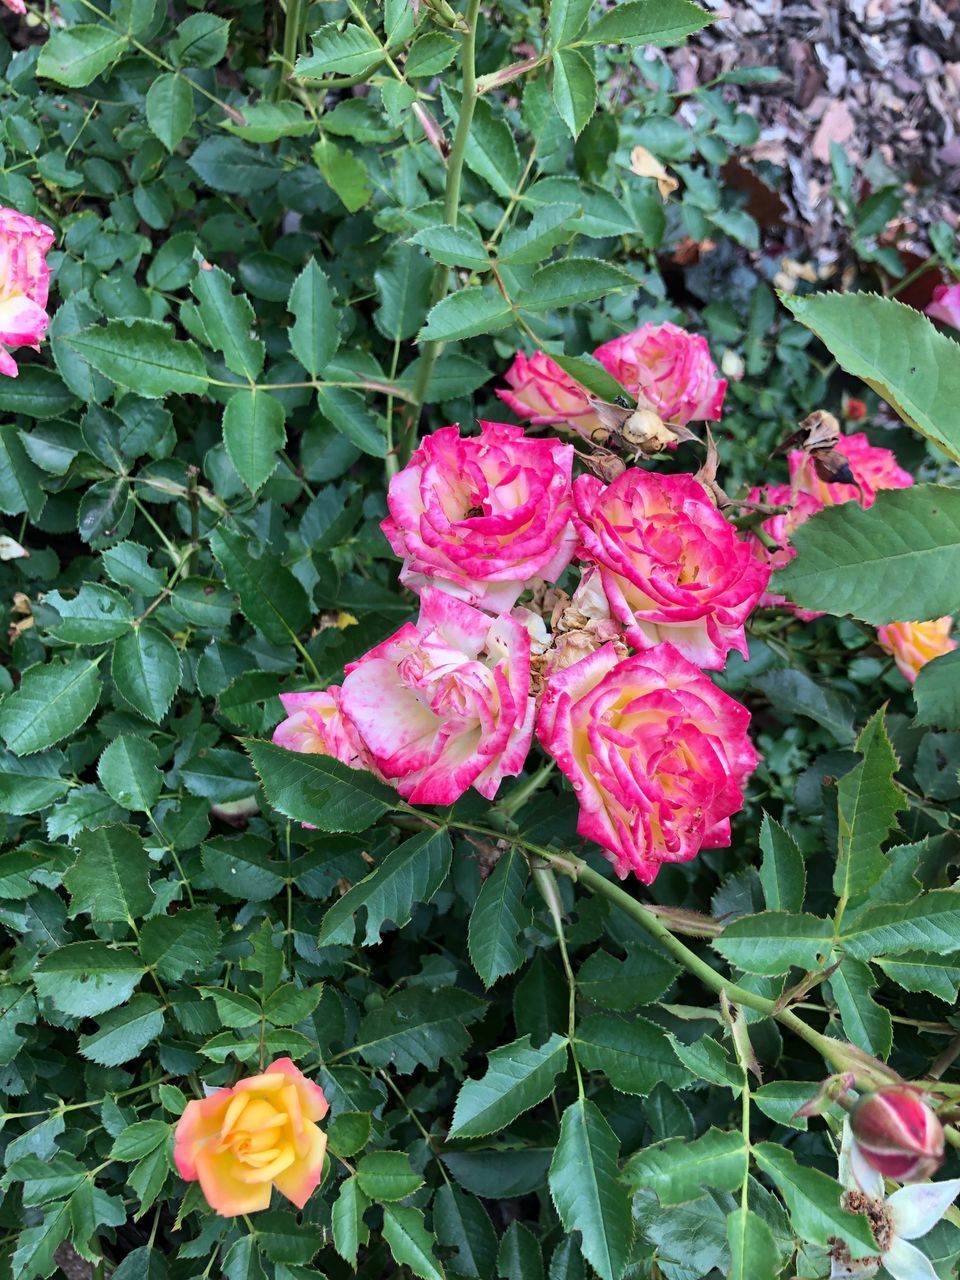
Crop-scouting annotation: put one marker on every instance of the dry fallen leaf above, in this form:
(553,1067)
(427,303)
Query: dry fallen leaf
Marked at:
(645,165)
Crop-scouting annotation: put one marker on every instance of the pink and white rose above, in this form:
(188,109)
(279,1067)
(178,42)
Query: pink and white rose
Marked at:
(316,725)
(873,467)
(669,371)
(945,305)
(445,703)
(657,755)
(15,6)
(480,516)
(543,393)
(24,283)
(668,566)
(913,644)
(780,529)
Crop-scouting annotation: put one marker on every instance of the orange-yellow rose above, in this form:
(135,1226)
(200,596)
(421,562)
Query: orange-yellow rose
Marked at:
(262,1133)
(913,644)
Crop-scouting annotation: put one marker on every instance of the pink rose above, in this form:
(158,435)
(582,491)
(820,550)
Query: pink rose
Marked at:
(445,703)
(15,6)
(945,305)
(874,468)
(780,528)
(480,516)
(544,394)
(315,725)
(24,282)
(669,371)
(913,644)
(669,567)
(657,755)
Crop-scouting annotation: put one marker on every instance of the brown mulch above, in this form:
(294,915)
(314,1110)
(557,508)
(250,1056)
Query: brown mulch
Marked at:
(880,77)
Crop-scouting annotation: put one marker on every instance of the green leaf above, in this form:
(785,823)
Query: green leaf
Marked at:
(937,692)
(417,1027)
(813,1200)
(587,1191)
(865,1023)
(139,1139)
(242,866)
(930,923)
(201,40)
(291,1004)
(410,1242)
(678,1170)
(517,1078)
(87,978)
(491,151)
(898,352)
(143,356)
(799,694)
(19,477)
(412,873)
(634,1056)
(897,561)
(782,871)
(37,392)
(465,314)
(271,597)
(110,879)
(182,944)
(659,22)
(228,320)
(350,51)
(94,615)
(926,974)
(708,1060)
(461,1223)
(128,772)
(753,1250)
(37,1245)
(774,941)
(573,280)
(229,165)
(253,433)
(349,1132)
(454,247)
(349,1229)
(429,54)
(318,789)
(519,1256)
(536,241)
(29,784)
(403,279)
(868,801)
(124,1033)
(567,18)
(314,336)
(271,121)
(146,671)
(591,374)
(387,1175)
(574,89)
(51,702)
(170,110)
(499,918)
(234,1009)
(641,978)
(345,173)
(76,55)
(352,417)
(105,511)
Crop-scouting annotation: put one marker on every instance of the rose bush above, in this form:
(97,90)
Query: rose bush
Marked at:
(326,726)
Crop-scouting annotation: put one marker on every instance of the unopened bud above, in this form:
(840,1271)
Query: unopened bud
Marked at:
(898,1134)
(854,409)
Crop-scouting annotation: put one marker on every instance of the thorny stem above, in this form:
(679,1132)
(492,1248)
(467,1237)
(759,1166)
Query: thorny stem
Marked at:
(451,209)
(292,31)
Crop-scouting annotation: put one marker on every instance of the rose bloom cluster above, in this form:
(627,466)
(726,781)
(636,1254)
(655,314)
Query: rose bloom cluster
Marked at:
(614,689)
(911,644)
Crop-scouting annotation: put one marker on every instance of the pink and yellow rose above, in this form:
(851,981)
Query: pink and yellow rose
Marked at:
(445,703)
(242,1142)
(24,283)
(668,370)
(873,468)
(945,305)
(315,725)
(913,644)
(480,516)
(667,565)
(543,393)
(780,529)
(657,755)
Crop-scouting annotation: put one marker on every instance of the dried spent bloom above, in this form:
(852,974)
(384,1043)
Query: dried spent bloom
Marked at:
(898,1133)
(545,395)
(666,565)
(913,644)
(945,305)
(242,1142)
(445,703)
(24,283)
(669,371)
(481,516)
(657,755)
(873,468)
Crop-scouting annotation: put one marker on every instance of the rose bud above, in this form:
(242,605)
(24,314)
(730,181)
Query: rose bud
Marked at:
(898,1134)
